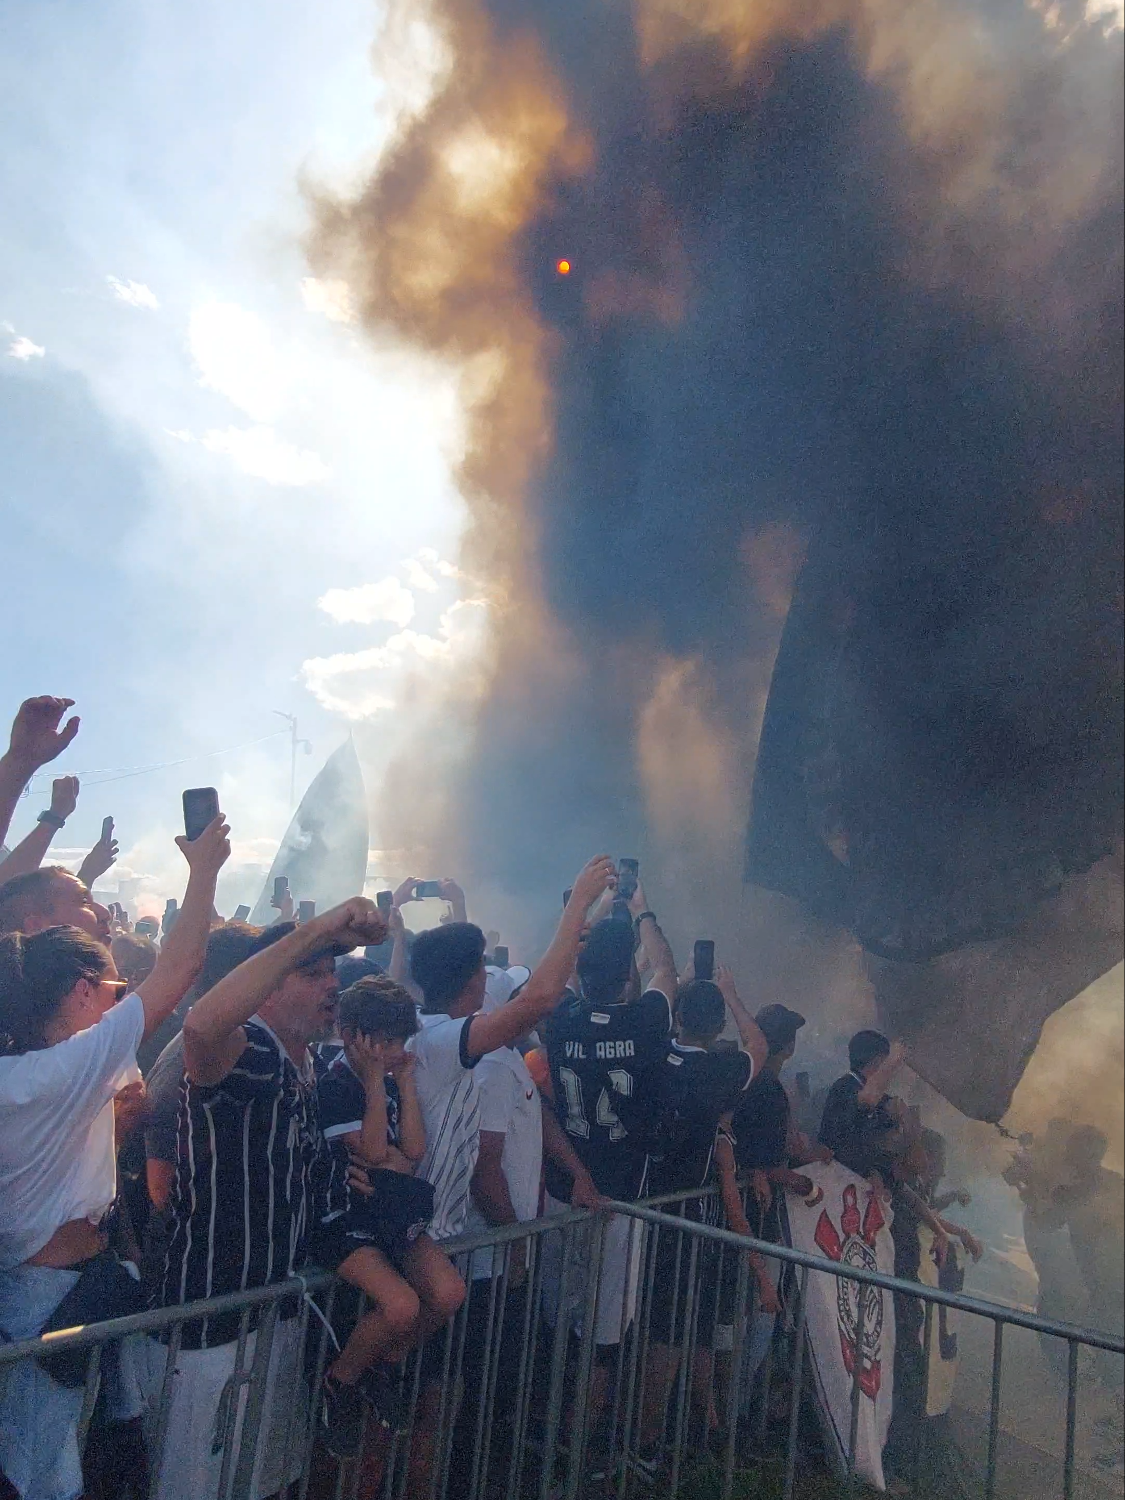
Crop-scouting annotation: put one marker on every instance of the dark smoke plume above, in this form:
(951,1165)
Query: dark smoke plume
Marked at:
(846,291)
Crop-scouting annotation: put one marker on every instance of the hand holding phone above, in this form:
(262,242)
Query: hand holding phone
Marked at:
(628,875)
(385,900)
(201,808)
(427,888)
(500,956)
(703,959)
(306,911)
(107,831)
(240,913)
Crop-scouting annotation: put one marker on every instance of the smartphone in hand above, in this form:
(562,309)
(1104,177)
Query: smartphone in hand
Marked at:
(384,900)
(201,808)
(628,875)
(703,959)
(240,913)
(500,956)
(426,888)
(107,830)
(306,911)
(567,895)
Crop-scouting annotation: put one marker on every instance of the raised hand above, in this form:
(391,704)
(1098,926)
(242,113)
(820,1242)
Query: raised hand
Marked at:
(98,861)
(64,795)
(405,891)
(356,921)
(210,851)
(593,878)
(450,891)
(36,736)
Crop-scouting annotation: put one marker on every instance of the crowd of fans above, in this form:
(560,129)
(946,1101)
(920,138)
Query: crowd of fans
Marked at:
(303,1105)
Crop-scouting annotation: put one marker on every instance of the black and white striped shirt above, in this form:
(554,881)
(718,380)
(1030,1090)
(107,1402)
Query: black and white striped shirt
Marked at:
(241,1202)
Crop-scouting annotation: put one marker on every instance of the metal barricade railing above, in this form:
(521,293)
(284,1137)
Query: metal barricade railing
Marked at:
(613,1355)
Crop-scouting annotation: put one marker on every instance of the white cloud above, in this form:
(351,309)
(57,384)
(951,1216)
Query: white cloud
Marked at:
(409,668)
(331,298)
(235,355)
(135,293)
(260,452)
(417,576)
(385,600)
(22,348)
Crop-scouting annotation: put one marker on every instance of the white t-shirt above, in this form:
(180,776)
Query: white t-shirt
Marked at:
(57,1156)
(509,1106)
(447,1096)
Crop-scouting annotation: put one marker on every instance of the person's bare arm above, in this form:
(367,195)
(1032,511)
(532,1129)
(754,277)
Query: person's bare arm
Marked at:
(541,993)
(655,948)
(213,1028)
(452,892)
(35,739)
(931,1220)
(397,968)
(879,1079)
(182,952)
(753,1042)
(30,852)
(735,1214)
(411,1127)
(489,1185)
(370,1140)
(557,1148)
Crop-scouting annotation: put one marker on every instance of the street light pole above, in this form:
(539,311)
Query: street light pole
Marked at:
(294,745)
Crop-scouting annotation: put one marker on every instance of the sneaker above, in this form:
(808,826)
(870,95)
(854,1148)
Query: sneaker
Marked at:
(381,1388)
(341,1418)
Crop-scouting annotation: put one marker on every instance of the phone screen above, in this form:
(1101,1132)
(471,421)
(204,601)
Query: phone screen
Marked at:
(241,913)
(426,888)
(704,959)
(306,911)
(500,957)
(107,830)
(566,896)
(201,808)
(384,900)
(280,887)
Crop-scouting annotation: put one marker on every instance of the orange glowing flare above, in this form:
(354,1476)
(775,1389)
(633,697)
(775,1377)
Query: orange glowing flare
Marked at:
(563,267)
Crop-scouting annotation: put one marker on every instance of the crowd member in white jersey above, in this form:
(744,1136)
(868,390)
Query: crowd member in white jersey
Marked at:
(68,1044)
(447,965)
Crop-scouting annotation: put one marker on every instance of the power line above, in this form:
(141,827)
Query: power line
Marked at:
(124,773)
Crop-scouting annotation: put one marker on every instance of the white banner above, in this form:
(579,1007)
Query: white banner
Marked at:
(843,1220)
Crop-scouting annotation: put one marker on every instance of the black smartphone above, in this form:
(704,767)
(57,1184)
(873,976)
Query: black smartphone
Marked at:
(703,959)
(306,911)
(628,872)
(147,927)
(107,830)
(385,900)
(240,913)
(201,808)
(567,895)
(280,889)
(171,905)
(500,956)
(426,888)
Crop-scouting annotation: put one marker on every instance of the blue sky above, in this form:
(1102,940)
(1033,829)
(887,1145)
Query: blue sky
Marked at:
(219,499)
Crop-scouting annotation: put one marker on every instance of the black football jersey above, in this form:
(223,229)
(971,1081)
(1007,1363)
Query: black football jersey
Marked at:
(602,1060)
(694,1089)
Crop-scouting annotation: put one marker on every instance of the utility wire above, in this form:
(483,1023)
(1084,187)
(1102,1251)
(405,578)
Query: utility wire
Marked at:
(123,773)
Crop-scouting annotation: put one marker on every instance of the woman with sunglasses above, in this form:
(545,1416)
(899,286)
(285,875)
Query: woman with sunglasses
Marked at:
(69,1033)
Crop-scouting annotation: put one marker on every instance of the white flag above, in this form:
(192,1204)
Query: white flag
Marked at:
(845,1221)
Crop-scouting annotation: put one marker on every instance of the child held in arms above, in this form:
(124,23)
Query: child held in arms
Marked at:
(376,1241)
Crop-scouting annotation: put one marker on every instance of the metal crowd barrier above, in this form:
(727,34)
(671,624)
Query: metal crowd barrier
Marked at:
(503,1408)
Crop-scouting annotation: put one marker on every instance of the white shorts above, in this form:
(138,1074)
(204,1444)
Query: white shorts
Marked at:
(193,1446)
(620,1273)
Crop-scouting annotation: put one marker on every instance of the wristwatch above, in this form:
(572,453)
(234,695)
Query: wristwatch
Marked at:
(638,920)
(47,816)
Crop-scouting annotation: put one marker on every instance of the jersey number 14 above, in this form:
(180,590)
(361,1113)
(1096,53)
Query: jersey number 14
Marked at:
(576,1122)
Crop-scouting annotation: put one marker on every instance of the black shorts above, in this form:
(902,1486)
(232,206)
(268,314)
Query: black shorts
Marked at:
(670,1287)
(389,1221)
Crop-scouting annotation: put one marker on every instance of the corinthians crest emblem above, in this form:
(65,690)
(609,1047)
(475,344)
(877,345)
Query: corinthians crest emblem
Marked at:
(853,1244)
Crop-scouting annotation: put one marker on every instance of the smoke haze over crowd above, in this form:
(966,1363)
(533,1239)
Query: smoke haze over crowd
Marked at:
(844,284)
